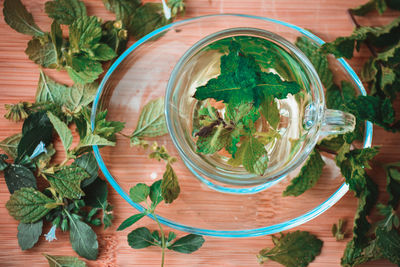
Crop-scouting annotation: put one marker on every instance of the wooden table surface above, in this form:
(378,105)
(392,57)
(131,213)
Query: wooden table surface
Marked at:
(18,80)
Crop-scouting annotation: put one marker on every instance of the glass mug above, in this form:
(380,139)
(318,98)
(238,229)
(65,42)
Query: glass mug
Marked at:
(304,117)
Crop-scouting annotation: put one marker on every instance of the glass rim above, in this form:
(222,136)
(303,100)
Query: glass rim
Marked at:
(311,214)
(245,179)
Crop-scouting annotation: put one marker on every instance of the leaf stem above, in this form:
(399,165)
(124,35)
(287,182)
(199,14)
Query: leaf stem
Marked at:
(162,240)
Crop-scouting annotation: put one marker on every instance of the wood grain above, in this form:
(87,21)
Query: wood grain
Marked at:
(18,80)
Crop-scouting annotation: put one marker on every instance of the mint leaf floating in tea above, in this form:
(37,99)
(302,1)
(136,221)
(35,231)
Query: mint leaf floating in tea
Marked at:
(295,249)
(249,119)
(64,261)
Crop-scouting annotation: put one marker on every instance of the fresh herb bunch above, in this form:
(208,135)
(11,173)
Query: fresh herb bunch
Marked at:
(247,92)
(142,237)
(378,240)
(70,195)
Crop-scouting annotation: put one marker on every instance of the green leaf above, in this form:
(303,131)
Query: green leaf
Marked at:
(114,36)
(18,18)
(73,98)
(187,244)
(269,109)
(84,70)
(139,192)
(84,33)
(389,244)
(62,130)
(362,10)
(83,239)
(103,53)
(308,176)
(130,221)
(36,128)
(3,163)
(171,236)
(42,52)
(151,121)
(64,261)
(170,186)
(123,9)
(393,184)
(256,157)
(10,145)
(67,181)
(338,231)
(65,11)
(290,249)
(141,238)
(94,139)
(214,141)
(146,19)
(28,234)
(96,194)
(156,193)
(89,164)
(391,219)
(318,59)
(18,176)
(28,205)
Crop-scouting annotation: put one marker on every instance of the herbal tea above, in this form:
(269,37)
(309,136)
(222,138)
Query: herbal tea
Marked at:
(249,105)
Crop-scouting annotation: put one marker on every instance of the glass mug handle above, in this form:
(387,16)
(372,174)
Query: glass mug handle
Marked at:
(337,122)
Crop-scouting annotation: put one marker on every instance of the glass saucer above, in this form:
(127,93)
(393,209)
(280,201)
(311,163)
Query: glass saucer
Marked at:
(141,74)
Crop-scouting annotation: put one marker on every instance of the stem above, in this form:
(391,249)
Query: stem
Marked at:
(162,240)
(353,19)
(124,135)
(324,149)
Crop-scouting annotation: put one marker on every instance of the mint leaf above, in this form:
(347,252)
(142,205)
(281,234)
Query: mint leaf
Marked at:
(123,9)
(362,10)
(146,19)
(389,244)
(18,176)
(290,250)
(62,130)
(114,36)
(94,139)
(256,157)
(64,261)
(130,221)
(141,238)
(84,33)
(96,194)
(156,193)
(88,162)
(391,219)
(170,186)
(269,109)
(10,145)
(65,11)
(28,234)
(213,141)
(28,205)
(393,184)
(308,176)
(83,239)
(67,181)
(338,231)
(139,192)
(43,52)
(187,244)
(151,121)
(103,52)
(18,18)
(84,70)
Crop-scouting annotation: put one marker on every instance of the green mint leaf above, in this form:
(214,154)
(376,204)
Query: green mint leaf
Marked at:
(84,33)
(255,158)
(65,11)
(62,130)
(28,205)
(3,163)
(28,234)
(290,250)
(114,36)
(123,9)
(151,121)
(355,255)
(83,239)
(389,244)
(338,231)
(171,236)
(18,176)
(72,98)
(88,162)
(10,145)
(139,192)
(156,193)
(170,186)
(187,244)
(336,98)
(141,238)
(393,184)
(64,261)
(67,181)
(332,143)
(18,18)
(43,52)
(244,113)
(318,59)
(94,139)
(84,70)
(308,176)
(177,7)
(362,10)
(269,109)
(36,128)
(146,19)
(103,52)
(130,221)
(96,194)
(391,219)
(213,141)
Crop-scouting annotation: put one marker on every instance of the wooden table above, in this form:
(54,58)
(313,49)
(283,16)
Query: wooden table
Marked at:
(18,80)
